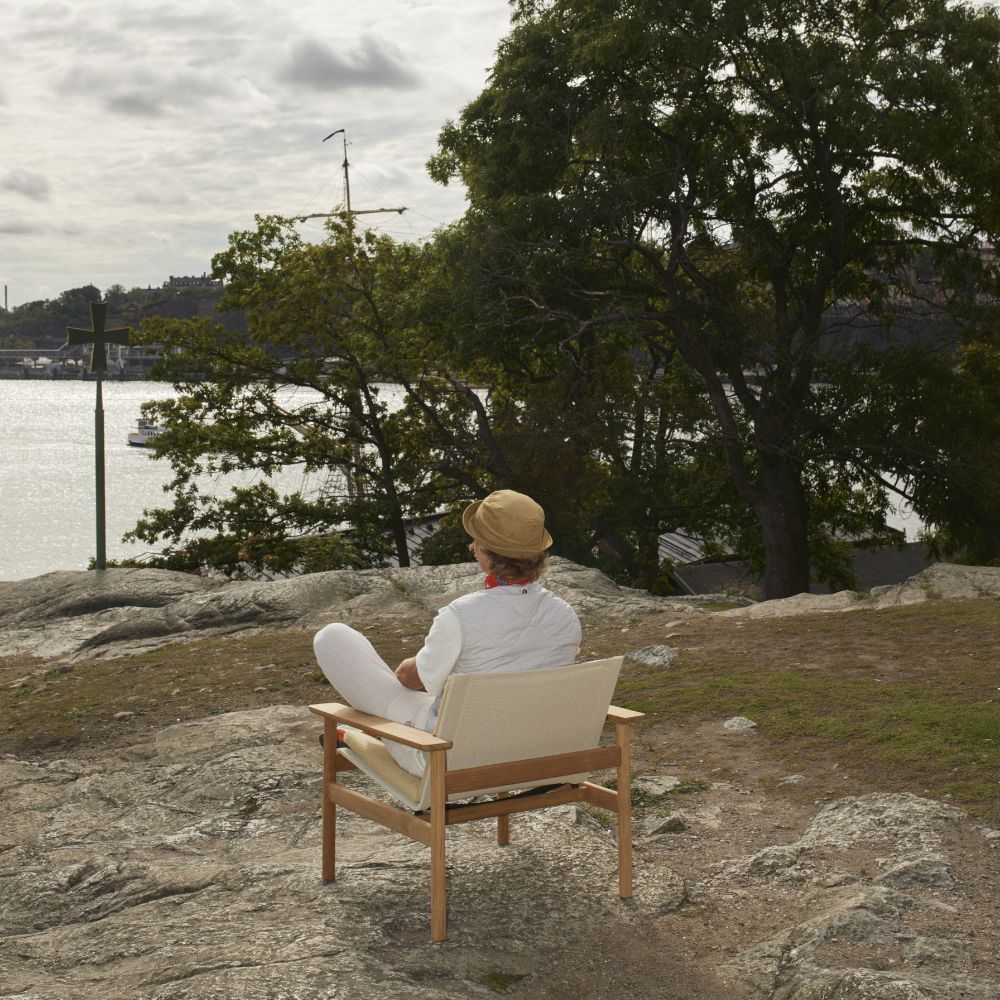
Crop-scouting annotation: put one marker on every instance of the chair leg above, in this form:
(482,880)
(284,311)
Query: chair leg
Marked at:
(439,903)
(622,737)
(503,825)
(329,808)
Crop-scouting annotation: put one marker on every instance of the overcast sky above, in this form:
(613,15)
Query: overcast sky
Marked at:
(135,136)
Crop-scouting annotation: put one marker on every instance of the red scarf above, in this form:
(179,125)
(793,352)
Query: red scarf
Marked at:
(492,581)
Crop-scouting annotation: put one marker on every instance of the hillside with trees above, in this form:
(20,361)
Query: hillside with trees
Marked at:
(42,324)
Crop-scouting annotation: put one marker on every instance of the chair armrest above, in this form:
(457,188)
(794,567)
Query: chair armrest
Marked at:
(623,715)
(377,726)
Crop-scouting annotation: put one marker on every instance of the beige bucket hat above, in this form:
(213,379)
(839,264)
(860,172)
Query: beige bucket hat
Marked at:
(509,524)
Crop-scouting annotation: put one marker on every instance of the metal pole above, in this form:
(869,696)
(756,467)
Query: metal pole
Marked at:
(102,562)
(347,181)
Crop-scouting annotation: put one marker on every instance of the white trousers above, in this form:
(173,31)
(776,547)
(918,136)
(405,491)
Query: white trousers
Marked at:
(366,682)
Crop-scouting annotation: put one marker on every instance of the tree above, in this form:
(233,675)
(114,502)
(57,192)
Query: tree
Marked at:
(328,326)
(43,323)
(760,185)
(300,389)
(611,442)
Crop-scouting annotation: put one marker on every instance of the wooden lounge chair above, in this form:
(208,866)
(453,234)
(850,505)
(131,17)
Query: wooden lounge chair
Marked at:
(497,735)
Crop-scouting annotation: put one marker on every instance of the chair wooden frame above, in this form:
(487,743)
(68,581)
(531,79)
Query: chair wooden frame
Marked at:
(428,827)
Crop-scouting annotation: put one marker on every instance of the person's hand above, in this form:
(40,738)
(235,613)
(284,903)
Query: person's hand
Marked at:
(406,674)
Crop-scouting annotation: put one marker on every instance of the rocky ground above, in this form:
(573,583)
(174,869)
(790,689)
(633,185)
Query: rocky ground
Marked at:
(181,860)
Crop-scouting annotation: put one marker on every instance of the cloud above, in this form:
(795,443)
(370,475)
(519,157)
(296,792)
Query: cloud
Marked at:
(136,105)
(33,186)
(148,195)
(145,92)
(55,12)
(316,66)
(169,19)
(12,227)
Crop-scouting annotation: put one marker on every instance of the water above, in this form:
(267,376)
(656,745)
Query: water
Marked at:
(47,474)
(47,481)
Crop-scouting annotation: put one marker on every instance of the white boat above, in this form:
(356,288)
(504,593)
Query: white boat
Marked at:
(143,434)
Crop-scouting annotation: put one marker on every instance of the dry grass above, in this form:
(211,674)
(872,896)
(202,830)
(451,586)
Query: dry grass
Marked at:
(907,698)
(50,708)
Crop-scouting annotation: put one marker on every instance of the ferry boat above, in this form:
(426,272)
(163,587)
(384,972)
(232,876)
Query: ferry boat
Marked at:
(143,434)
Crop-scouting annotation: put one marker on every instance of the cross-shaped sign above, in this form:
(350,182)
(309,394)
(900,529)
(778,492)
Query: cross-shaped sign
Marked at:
(98,336)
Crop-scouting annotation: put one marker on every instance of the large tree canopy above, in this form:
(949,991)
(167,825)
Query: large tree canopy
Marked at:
(726,267)
(606,444)
(795,196)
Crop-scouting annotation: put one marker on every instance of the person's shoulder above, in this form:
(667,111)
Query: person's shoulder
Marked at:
(557,601)
(466,599)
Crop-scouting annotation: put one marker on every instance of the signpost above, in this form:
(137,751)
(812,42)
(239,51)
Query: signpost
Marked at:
(99,338)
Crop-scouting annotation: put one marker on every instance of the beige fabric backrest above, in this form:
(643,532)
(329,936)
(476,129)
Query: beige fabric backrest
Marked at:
(492,718)
(495,718)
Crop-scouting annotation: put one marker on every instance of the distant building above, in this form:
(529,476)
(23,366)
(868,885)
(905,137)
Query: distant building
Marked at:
(874,566)
(190,281)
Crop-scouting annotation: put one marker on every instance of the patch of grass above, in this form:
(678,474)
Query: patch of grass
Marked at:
(641,799)
(908,695)
(601,817)
(906,698)
(75,704)
(500,981)
(688,786)
(63,705)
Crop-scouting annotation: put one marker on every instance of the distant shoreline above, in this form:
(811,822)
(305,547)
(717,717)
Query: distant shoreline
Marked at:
(9,376)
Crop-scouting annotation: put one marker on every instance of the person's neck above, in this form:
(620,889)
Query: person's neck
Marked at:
(498,581)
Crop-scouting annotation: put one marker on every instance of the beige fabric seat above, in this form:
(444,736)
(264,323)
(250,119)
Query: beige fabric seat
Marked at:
(496,734)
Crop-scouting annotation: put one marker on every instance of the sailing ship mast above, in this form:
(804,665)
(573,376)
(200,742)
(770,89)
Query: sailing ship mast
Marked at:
(351,212)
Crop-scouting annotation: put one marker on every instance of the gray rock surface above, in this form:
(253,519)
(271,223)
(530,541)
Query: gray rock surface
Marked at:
(906,821)
(653,656)
(865,916)
(657,784)
(943,580)
(187,866)
(740,724)
(77,615)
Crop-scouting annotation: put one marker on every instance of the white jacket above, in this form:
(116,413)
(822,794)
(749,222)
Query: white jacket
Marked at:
(508,628)
(515,627)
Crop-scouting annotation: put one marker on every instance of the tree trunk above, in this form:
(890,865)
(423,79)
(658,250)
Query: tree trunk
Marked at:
(395,508)
(399,536)
(783,513)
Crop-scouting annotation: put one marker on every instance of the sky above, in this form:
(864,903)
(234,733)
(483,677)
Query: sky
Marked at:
(135,136)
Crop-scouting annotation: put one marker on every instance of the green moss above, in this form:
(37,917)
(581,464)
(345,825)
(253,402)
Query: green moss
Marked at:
(600,816)
(687,786)
(642,799)
(500,981)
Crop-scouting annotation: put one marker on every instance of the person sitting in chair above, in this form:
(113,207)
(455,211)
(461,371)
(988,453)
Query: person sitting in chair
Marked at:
(513,623)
